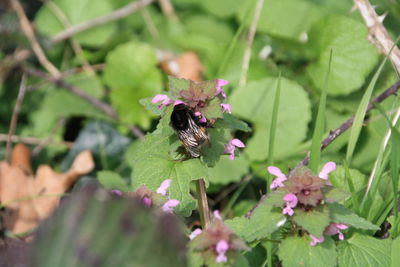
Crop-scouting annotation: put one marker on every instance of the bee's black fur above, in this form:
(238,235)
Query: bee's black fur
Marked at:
(190,131)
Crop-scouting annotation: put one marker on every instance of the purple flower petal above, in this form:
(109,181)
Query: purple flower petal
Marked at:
(334,228)
(116,192)
(276,183)
(291,200)
(169,205)
(226,107)
(177,102)
(221,258)
(232,156)
(237,143)
(220,83)
(221,248)
(328,167)
(288,210)
(147,201)
(164,98)
(164,187)
(217,215)
(276,171)
(316,240)
(229,148)
(195,233)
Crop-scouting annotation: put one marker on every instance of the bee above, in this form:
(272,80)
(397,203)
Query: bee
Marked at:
(192,133)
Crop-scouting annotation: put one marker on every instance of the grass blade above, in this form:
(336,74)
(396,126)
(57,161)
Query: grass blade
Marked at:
(315,154)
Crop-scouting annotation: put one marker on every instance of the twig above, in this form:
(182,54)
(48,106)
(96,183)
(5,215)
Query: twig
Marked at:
(14,116)
(31,140)
(168,10)
(378,35)
(30,34)
(105,108)
(108,110)
(59,13)
(150,24)
(347,124)
(115,15)
(249,43)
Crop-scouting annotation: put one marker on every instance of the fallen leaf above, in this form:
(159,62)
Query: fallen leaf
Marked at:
(187,66)
(29,199)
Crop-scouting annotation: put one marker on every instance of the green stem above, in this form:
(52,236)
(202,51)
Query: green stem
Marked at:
(203,204)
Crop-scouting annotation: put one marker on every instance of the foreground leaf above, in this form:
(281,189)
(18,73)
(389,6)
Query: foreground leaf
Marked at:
(361,250)
(341,214)
(296,251)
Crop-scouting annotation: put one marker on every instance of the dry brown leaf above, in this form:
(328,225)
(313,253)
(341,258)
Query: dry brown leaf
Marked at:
(187,65)
(29,199)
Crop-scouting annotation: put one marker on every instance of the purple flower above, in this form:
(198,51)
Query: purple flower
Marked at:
(195,233)
(328,167)
(147,201)
(334,228)
(218,86)
(169,205)
(231,147)
(221,248)
(217,215)
(316,240)
(116,192)
(280,177)
(202,118)
(291,202)
(165,100)
(164,187)
(226,107)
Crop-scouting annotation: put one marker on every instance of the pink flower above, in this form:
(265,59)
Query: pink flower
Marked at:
(231,147)
(202,118)
(334,228)
(169,205)
(217,215)
(165,100)
(178,102)
(218,86)
(221,248)
(291,202)
(147,201)
(164,187)
(328,167)
(280,177)
(316,240)
(195,233)
(116,192)
(226,107)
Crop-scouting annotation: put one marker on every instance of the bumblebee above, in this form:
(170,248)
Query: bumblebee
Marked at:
(192,133)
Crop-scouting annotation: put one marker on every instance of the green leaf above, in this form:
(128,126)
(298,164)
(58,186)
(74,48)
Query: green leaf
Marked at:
(255,102)
(341,214)
(152,164)
(314,221)
(284,18)
(231,122)
(112,180)
(227,171)
(395,252)
(213,109)
(296,251)
(333,194)
(362,250)
(221,8)
(77,11)
(212,152)
(132,74)
(338,179)
(176,85)
(354,56)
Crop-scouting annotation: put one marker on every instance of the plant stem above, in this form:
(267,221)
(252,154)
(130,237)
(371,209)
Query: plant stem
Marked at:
(203,204)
